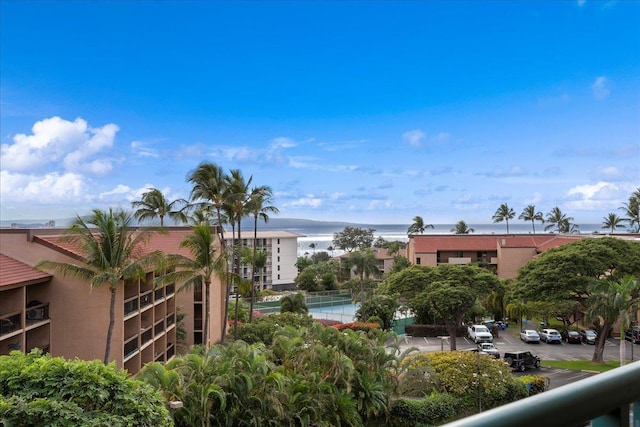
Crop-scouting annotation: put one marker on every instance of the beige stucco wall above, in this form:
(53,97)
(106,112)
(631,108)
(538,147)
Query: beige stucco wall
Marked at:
(511,259)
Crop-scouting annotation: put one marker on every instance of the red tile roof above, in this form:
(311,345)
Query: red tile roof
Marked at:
(457,242)
(14,272)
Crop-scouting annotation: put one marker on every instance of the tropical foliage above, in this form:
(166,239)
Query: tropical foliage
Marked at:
(154,204)
(39,390)
(352,238)
(529,213)
(461,227)
(504,213)
(418,226)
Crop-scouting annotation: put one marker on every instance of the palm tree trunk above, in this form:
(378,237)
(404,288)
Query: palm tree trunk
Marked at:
(253,265)
(207,285)
(112,310)
(599,347)
(237,263)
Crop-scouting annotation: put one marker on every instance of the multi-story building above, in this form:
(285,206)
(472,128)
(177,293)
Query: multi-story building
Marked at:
(279,272)
(62,315)
(503,253)
(384,262)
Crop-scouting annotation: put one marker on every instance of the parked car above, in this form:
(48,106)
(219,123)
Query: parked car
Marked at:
(479,333)
(550,336)
(588,336)
(569,336)
(529,335)
(489,348)
(520,360)
(632,334)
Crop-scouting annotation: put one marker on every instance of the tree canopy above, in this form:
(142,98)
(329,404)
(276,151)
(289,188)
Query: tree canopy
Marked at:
(352,238)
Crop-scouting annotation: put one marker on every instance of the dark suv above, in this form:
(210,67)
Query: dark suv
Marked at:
(520,360)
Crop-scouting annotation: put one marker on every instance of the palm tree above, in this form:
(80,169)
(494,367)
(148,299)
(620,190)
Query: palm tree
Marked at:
(517,309)
(154,205)
(462,228)
(208,193)
(557,219)
(418,226)
(238,206)
(260,206)
(612,221)
(504,213)
(529,214)
(632,211)
(365,264)
(610,302)
(112,254)
(294,304)
(199,270)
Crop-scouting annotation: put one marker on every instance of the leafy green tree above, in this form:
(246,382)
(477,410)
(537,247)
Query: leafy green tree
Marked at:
(352,238)
(382,306)
(418,226)
(611,302)
(319,257)
(199,270)
(39,390)
(612,221)
(365,264)
(461,227)
(400,262)
(295,303)
(504,213)
(307,279)
(632,211)
(302,263)
(556,218)
(113,254)
(568,272)
(530,214)
(450,290)
(155,205)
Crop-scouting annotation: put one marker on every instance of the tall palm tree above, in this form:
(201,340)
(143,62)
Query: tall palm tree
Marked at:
(529,214)
(155,205)
(237,204)
(260,206)
(365,264)
(199,269)
(462,228)
(632,211)
(559,220)
(209,193)
(418,226)
(294,304)
(612,221)
(112,253)
(504,213)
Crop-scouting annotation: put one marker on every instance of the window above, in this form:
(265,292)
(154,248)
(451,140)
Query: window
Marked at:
(278,250)
(278,259)
(418,260)
(278,268)
(457,254)
(278,241)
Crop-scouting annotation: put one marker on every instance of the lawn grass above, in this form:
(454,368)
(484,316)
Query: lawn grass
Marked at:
(580,365)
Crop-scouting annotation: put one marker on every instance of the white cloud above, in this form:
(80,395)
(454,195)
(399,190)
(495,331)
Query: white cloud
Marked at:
(599,196)
(56,143)
(54,188)
(414,137)
(142,149)
(441,137)
(600,88)
(308,201)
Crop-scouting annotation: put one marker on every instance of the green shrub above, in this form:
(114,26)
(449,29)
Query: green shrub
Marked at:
(40,390)
(432,410)
(535,383)
(262,329)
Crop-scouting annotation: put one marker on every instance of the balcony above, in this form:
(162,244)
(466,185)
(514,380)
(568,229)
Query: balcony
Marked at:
(461,260)
(131,305)
(158,294)
(146,336)
(604,398)
(10,323)
(171,319)
(158,328)
(170,289)
(130,347)
(145,300)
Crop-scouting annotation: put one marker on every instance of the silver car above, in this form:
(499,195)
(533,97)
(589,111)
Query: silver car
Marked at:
(530,336)
(550,335)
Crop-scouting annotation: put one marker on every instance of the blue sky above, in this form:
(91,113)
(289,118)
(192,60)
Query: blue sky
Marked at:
(371,112)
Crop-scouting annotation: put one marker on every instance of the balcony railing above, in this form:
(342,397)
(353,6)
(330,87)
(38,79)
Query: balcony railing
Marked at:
(146,336)
(170,289)
(130,347)
(130,305)
(171,319)
(158,327)
(158,294)
(145,299)
(10,323)
(37,313)
(604,398)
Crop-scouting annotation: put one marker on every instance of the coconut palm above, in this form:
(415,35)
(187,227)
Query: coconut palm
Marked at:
(632,211)
(612,221)
(504,213)
(155,205)
(208,193)
(259,206)
(365,264)
(112,253)
(559,220)
(199,270)
(611,302)
(462,228)
(418,226)
(529,214)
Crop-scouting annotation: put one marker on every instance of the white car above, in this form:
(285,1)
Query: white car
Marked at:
(550,335)
(529,335)
(489,348)
(479,333)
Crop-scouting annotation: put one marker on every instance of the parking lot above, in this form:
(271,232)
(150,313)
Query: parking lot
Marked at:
(507,342)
